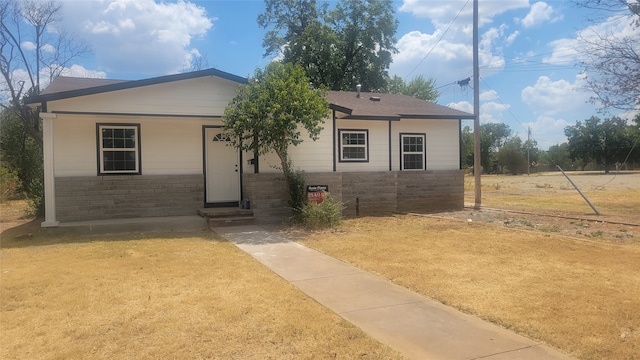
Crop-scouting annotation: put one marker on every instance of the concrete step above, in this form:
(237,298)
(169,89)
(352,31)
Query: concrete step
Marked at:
(231,221)
(218,217)
(224,212)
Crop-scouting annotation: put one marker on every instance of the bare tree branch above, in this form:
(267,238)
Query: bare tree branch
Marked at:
(28,51)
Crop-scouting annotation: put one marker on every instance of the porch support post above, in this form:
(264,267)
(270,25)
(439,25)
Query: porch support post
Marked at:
(49,175)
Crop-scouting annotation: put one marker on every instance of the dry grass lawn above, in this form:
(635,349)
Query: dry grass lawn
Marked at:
(580,297)
(578,293)
(164,297)
(616,196)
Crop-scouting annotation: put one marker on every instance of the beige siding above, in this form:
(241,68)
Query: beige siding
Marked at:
(442,139)
(310,156)
(169,146)
(378,145)
(199,96)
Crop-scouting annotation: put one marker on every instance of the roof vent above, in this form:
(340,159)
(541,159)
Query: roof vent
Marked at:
(374,98)
(358,87)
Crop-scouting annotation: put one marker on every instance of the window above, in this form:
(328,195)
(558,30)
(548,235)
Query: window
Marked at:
(118,149)
(354,145)
(412,148)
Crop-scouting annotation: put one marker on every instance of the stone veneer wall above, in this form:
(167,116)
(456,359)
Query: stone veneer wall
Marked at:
(373,193)
(127,196)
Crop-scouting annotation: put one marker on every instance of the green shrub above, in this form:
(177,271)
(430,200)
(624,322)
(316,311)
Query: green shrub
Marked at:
(34,193)
(297,191)
(9,185)
(327,214)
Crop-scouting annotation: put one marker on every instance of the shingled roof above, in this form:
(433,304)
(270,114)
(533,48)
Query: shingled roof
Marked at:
(376,106)
(67,87)
(367,106)
(65,83)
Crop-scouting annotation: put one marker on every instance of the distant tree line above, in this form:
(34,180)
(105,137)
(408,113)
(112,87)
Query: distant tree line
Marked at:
(593,144)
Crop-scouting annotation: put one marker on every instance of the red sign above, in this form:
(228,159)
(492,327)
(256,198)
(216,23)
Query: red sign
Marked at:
(315,193)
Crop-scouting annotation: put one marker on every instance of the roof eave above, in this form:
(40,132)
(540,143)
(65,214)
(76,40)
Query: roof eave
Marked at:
(341,109)
(439,117)
(371,117)
(134,84)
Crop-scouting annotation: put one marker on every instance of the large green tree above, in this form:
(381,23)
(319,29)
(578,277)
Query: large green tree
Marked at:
(558,155)
(339,48)
(492,137)
(418,87)
(604,142)
(512,156)
(269,112)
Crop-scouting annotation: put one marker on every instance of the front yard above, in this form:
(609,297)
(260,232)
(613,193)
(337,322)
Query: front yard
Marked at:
(571,281)
(163,297)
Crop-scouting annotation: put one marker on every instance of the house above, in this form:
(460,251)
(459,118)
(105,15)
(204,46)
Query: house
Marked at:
(156,147)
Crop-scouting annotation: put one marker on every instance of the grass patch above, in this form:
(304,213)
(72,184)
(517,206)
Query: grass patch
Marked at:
(580,297)
(160,298)
(553,228)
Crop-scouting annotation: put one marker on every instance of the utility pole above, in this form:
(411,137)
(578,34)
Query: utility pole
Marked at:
(528,147)
(477,166)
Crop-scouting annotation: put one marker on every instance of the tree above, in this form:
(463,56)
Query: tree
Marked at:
(339,48)
(21,156)
(418,87)
(467,147)
(31,45)
(604,142)
(492,136)
(30,51)
(558,155)
(612,63)
(267,114)
(511,156)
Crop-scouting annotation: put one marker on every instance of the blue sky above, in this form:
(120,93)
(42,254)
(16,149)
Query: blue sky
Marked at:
(529,58)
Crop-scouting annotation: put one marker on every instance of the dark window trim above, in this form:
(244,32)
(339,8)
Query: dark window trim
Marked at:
(340,159)
(424,151)
(99,147)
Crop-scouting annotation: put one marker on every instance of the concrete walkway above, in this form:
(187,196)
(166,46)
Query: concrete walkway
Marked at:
(416,326)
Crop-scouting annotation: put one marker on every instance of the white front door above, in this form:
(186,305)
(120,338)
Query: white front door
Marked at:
(222,168)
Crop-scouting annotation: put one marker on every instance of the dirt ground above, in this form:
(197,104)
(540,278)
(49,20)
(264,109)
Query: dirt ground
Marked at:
(539,194)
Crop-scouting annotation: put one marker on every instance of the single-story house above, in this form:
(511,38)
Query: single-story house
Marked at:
(156,147)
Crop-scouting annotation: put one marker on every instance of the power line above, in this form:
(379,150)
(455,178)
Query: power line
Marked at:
(438,42)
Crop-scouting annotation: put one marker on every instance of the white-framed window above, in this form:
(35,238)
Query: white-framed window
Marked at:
(118,148)
(354,145)
(412,151)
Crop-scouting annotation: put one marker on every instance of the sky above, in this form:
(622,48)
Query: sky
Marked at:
(529,67)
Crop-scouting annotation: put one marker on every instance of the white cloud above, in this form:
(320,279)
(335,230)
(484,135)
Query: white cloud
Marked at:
(548,130)
(488,95)
(138,36)
(446,61)
(490,111)
(539,13)
(443,12)
(511,38)
(28,45)
(48,48)
(573,49)
(462,106)
(552,97)
(81,71)
(450,55)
